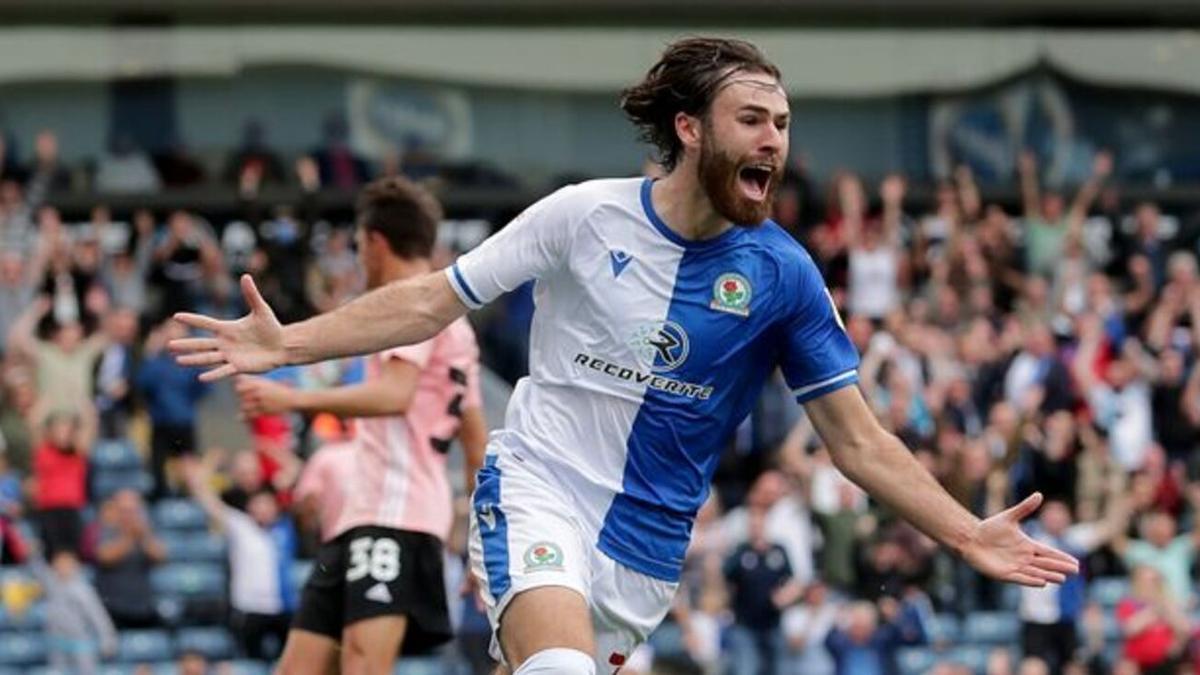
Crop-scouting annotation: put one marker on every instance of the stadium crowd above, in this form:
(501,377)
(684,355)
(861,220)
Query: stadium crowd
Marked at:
(1052,349)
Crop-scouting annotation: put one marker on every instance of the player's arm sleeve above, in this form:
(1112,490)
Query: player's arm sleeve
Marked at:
(532,246)
(817,357)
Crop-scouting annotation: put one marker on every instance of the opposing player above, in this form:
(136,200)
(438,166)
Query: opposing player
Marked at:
(378,582)
(662,306)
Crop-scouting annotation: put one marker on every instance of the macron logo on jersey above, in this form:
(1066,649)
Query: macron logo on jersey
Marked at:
(620,260)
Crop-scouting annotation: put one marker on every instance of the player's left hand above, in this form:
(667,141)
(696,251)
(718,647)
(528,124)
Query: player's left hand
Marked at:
(1002,551)
(260,396)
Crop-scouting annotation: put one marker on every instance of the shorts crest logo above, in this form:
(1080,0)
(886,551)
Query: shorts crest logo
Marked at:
(543,555)
(731,293)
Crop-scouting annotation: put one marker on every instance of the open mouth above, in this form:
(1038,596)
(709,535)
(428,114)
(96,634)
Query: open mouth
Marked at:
(755,179)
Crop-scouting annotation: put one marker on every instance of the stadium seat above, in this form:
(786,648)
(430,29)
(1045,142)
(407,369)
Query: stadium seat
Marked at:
(971,656)
(420,665)
(140,646)
(179,514)
(107,482)
(944,628)
(991,628)
(195,547)
(31,619)
(915,660)
(247,668)
(189,579)
(22,648)
(215,643)
(115,455)
(1108,591)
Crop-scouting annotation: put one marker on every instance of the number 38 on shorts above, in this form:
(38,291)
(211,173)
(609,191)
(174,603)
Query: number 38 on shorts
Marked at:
(378,558)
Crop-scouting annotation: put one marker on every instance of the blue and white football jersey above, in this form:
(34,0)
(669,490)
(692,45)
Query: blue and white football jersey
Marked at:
(647,350)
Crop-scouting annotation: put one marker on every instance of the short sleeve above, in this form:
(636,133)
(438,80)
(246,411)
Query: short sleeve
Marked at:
(418,354)
(532,246)
(817,356)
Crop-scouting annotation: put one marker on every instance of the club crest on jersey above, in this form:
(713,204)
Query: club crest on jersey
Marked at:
(543,555)
(660,347)
(731,293)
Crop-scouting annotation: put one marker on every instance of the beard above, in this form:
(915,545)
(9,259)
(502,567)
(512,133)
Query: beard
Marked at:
(718,171)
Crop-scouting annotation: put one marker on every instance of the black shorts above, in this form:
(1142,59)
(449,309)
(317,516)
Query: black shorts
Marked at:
(368,572)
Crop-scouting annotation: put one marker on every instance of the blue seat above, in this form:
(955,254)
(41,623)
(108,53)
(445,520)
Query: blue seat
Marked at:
(33,618)
(944,629)
(179,514)
(140,646)
(915,660)
(991,628)
(189,580)
(108,482)
(971,656)
(195,546)
(115,455)
(22,648)
(214,643)
(247,667)
(420,665)
(1108,591)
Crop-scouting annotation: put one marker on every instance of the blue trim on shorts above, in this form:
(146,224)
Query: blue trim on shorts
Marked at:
(494,536)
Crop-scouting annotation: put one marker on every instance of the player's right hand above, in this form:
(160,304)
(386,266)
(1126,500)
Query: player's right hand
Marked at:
(251,344)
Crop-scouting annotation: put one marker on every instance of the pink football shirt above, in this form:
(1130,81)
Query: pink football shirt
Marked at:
(400,479)
(326,477)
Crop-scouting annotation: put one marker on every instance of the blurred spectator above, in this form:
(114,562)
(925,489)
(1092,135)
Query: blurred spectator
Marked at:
(761,586)
(126,169)
(171,392)
(254,154)
(1036,379)
(78,630)
(861,645)
(11,489)
(126,553)
(46,174)
(247,478)
(1047,224)
(1050,614)
(874,248)
(64,365)
(16,290)
(17,398)
(115,374)
(126,271)
(1165,551)
(805,627)
(1153,622)
(191,662)
(340,167)
(10,169)
(177,168)
(60,466)
(181,257)
(262,548)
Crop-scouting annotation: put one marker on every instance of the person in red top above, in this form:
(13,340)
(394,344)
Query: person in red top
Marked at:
(60,476)
(1154,626)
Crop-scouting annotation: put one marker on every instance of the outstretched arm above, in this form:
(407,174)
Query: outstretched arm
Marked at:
(884,467)
(390,394)
(400,313)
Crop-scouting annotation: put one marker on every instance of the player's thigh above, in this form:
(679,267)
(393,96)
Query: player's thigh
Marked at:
(545,617)
(371,646)
(308,653)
